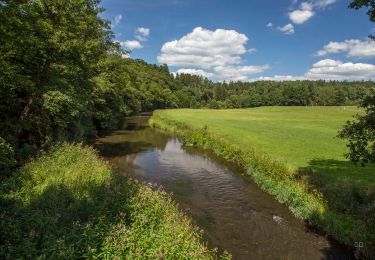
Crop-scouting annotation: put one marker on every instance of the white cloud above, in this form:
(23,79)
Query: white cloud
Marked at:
(197,72)
(301,15)
(324,3)
(287,29)
(269,24)
(353,48)
(116,21)
(306,10)
(326,63)
(337,70)
(330,70)
(228,73)
(125,56)
(131,45)
(238,73)
(204,48)
(215,54)
(142,33)
(280,78)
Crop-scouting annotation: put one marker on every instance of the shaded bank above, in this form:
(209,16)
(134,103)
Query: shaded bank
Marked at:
(281,181)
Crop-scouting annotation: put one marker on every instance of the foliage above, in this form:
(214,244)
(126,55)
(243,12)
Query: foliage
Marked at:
(361,133)
(7,160)
(69,204)
(48,54)
(292,154)
(200,92)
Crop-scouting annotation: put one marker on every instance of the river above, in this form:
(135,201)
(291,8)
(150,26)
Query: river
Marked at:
(234,213)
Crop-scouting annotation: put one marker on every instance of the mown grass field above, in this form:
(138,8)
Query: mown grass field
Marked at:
(296,156)
(298,136)
(69,204)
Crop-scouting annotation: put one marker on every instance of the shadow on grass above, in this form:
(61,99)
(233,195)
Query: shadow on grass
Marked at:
(62,222)
(348,188)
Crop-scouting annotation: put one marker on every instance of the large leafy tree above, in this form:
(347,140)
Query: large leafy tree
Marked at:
(361,132)
(49,50)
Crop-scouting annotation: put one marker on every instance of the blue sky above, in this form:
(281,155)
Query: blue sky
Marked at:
(247,40)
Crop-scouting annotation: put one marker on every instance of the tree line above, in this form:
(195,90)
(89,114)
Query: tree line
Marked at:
(198,92)
(64,78)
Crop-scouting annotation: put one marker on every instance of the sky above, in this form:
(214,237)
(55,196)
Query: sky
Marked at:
(248,39)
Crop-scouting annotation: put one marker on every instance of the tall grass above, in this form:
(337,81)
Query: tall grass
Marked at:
(282,181)
(70,204)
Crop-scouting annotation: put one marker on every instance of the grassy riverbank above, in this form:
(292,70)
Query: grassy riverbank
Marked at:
(292,153)
(70,204)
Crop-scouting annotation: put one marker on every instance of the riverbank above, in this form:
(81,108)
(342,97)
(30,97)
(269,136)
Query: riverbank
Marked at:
(70,204)
(339,204)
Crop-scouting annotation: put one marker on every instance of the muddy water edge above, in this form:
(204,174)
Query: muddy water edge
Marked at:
(234,213)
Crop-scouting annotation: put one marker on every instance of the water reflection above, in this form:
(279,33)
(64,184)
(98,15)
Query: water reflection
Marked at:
(235,214)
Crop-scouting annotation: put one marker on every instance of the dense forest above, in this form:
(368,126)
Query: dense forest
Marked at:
(64,78)
(199,92)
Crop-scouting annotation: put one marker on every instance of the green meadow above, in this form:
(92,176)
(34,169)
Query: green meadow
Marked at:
(293,153)
(298,136)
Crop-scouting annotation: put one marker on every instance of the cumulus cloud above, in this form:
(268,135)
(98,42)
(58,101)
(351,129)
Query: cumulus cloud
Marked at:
(331,70)
(204,48)
(116,21)
(197,72)
(142,33)
(215,52)
(228,73)
(287,29)
(337,70)
(269,24)
(306,10)
(301,15)
(353,48)
(131,45)
(238,73)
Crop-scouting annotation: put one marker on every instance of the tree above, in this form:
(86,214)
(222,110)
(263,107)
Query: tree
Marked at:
(49,50)
(361,133)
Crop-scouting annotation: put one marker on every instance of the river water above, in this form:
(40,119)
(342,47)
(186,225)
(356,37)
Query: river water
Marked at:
(234,213)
